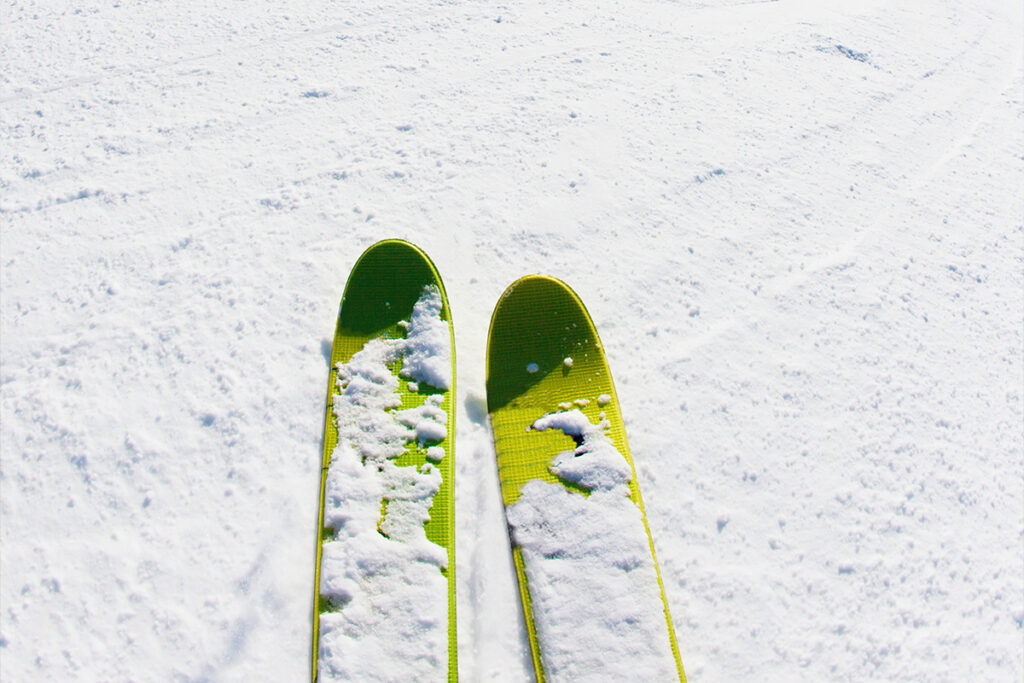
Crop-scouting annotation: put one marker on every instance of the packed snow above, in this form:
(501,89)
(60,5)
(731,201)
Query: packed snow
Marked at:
(427,354)
(593,585)
(595,464)
(380,576)
(797,225)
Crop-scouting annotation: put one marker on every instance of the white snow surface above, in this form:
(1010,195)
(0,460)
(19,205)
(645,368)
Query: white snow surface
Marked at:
(595,464)
(593,585)
(427,347)
(797,226)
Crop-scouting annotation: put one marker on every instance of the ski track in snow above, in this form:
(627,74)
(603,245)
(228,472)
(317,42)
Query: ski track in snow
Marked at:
(797,225)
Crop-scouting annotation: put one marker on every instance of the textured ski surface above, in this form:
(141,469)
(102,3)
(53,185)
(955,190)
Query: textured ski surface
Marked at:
(537,325)
(382,289)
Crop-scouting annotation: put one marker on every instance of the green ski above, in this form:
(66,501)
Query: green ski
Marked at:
(384,599)
(590,587)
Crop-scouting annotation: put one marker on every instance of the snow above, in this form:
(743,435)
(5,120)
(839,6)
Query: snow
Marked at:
(590,562)
(380,575)
(797,226)
(593,584)
(390,595)
(427,348)
(428,421)
(595,464)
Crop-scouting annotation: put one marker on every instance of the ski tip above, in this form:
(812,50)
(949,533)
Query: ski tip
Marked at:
(384,284)
(394,253)
(394,243)
(528,285)
(538,323)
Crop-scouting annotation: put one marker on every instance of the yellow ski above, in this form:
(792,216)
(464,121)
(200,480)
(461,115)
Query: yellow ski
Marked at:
(549,392)
(384,598)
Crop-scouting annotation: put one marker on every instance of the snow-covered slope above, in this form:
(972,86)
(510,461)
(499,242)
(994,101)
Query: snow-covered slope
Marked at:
(798,226)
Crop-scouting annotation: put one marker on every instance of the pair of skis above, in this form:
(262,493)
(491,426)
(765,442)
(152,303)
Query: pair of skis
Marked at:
(384,603)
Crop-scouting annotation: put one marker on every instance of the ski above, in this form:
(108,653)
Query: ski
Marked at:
(589,583)
(384,597)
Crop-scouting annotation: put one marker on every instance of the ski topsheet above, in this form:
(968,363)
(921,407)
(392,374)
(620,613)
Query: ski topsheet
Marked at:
(589,583)
(384,603)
